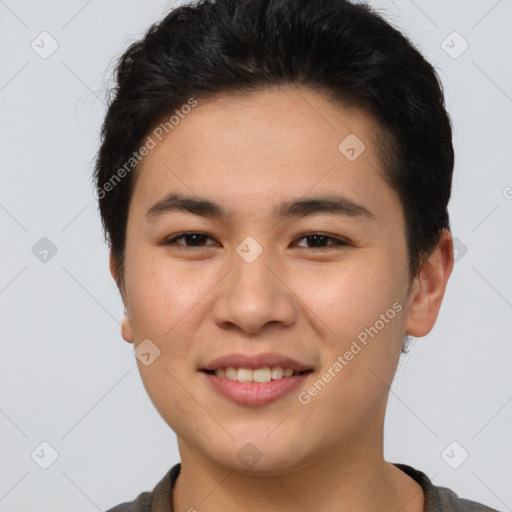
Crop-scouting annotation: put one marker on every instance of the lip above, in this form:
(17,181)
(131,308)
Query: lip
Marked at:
(255,393)
(254,361)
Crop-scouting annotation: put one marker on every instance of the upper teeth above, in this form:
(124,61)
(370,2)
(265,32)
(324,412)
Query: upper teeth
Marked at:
(265,374)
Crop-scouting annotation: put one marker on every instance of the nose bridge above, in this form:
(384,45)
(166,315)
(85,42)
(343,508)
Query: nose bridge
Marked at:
(251,272)
(252,294)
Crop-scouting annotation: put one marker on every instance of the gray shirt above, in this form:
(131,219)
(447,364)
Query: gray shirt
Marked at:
(437,499)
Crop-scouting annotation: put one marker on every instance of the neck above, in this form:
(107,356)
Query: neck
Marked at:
(349,479)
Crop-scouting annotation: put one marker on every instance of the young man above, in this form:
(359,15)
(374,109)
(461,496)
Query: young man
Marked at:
(273,180)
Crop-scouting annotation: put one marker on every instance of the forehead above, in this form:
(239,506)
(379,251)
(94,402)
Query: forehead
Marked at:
(244,150)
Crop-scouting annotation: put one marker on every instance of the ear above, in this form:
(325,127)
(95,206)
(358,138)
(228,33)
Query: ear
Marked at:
(126,327)
(427,290)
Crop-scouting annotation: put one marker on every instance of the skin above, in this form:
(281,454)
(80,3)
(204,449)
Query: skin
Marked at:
(250,153)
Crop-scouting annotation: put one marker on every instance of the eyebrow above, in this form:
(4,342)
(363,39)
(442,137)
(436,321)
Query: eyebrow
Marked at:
(331,204)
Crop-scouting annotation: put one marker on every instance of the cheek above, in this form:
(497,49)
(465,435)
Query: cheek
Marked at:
(347,297)
(361,315)
(161,295)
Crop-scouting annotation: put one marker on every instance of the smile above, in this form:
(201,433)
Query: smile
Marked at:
(261,375)
(250,392)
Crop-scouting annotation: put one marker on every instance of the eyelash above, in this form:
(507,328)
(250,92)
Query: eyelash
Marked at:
(337,242)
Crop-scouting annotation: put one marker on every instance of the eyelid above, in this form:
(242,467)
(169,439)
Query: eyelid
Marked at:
(172,240)
(336,240)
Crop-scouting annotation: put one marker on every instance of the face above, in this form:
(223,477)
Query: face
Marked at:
(319,287)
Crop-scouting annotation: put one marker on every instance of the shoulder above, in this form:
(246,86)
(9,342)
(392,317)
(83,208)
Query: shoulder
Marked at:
(451,502)
(155,500)
(442,499)
(141,504)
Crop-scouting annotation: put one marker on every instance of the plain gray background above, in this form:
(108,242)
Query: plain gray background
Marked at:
(67,377)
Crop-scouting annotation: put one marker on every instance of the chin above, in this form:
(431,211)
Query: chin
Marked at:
(262,451)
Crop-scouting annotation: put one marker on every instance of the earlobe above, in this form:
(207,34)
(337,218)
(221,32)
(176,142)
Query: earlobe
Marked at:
(126,329)
(429,288)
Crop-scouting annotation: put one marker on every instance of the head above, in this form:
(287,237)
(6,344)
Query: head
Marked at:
(245,108)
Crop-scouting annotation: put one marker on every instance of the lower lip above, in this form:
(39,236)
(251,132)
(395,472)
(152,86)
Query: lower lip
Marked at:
(255,393)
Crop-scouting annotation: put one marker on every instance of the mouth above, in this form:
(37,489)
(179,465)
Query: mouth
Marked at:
(255,379)
(255,386)
(261,375)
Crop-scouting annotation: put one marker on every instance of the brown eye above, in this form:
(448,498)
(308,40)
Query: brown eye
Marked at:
(198,240)
(192,240)
(320,241)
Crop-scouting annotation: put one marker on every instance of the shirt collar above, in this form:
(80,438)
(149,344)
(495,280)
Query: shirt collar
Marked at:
(162,493)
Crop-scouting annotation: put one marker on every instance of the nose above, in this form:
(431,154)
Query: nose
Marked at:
(253,295)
